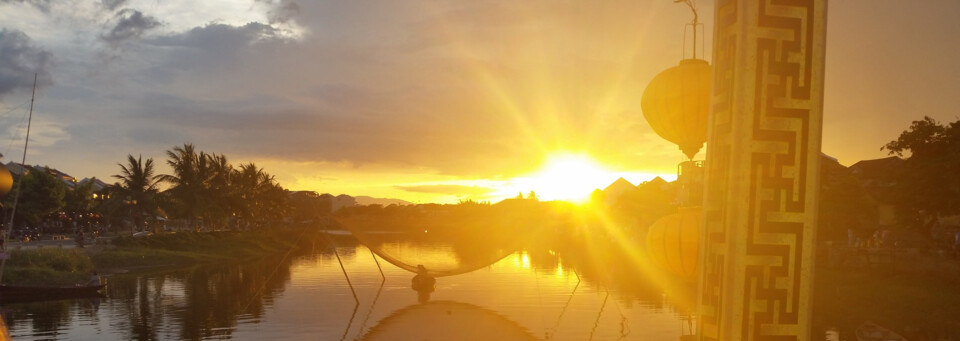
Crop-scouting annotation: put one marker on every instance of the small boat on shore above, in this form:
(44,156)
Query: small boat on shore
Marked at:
(870,331)
(16,293)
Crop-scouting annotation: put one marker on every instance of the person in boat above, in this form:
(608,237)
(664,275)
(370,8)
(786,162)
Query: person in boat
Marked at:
(94,279)
(423,284)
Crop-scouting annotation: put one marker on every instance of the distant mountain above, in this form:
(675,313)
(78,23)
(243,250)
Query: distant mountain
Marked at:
(365,200)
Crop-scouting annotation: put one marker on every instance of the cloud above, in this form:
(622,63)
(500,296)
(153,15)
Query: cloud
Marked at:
(209,53)
(431,89)
(470,105)
(20,58)
(42,5)
(447,189)
(280,11)
(47,132)
(354,125)
(129,24)
(219,36)
(112,5)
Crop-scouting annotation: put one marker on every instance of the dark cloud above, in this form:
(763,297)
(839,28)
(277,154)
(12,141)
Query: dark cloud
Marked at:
(268,126)
(472,105)
(129,24)
(219,36)
(280,11)
(447,189)
(112,5)
(20,58)
(42,5)
(214,49)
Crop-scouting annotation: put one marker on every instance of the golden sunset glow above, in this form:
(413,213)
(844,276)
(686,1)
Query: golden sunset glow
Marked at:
(569,177)
(480,170)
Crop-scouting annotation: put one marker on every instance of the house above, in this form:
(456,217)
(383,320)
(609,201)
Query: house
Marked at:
(878,173)
(97,186)
(71,182)
(67,179)
(655,183)
(617,189)
(877,178)
(17,169)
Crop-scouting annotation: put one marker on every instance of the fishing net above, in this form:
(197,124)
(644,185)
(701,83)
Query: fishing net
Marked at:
(446,245)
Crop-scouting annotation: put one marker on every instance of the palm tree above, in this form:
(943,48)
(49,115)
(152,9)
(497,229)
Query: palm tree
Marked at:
(187,188)
(245,181)
(261,198)
(206,185)
(219,189)
(138,185)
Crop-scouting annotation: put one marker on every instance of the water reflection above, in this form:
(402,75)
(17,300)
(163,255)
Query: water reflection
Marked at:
(445,320)
(197,303)
(607,271)
(45,319)
(203,301)
(550,289)
(423,284)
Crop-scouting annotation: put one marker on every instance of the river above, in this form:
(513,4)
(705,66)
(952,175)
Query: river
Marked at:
(533,293)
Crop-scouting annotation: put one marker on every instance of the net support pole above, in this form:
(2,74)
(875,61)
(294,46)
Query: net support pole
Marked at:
(354,292)
(374,255)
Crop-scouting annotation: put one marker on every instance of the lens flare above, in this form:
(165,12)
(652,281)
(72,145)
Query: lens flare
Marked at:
(570,177)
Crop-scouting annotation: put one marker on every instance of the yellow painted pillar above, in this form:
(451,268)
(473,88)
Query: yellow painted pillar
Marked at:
(762,168)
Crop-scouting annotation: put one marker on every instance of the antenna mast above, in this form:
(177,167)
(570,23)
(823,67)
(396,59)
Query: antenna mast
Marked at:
(23,172)
(23,162)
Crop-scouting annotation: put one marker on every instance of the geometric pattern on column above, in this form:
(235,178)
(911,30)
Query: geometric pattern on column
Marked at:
(762,170)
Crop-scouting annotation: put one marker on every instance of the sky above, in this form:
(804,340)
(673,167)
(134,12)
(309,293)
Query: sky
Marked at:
(422,100)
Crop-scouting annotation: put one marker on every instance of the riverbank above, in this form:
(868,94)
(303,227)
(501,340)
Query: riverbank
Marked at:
(915,296)
(67,266)
(48,266)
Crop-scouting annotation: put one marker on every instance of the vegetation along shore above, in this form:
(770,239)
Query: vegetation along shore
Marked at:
(68,266)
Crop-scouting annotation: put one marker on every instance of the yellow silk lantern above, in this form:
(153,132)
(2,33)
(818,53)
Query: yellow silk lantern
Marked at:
(6,180)
(673,241)
(676,104)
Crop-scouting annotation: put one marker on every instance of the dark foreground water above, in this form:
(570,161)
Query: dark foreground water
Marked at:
(530,294)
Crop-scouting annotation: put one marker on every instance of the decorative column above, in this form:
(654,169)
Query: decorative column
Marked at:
(762,168)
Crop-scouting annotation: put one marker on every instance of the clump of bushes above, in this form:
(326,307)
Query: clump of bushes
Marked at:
(48,266)
(187,248)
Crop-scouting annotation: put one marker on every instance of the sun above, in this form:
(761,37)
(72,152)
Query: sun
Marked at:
(567,176)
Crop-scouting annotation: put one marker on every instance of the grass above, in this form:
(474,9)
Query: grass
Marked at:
(58,266)
(187,248)
(920,294)
(48,266)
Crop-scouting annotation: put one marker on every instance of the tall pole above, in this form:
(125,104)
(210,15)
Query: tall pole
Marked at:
(23,161)
(23,172)
(762,170)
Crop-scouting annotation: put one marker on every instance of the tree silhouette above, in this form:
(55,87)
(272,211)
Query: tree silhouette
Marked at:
(138,187)
(929,182)
(187,188)
(79,201)
(208,186)
(41,195)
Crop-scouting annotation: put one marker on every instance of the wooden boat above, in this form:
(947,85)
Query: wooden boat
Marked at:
(15,293)
(870,331)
